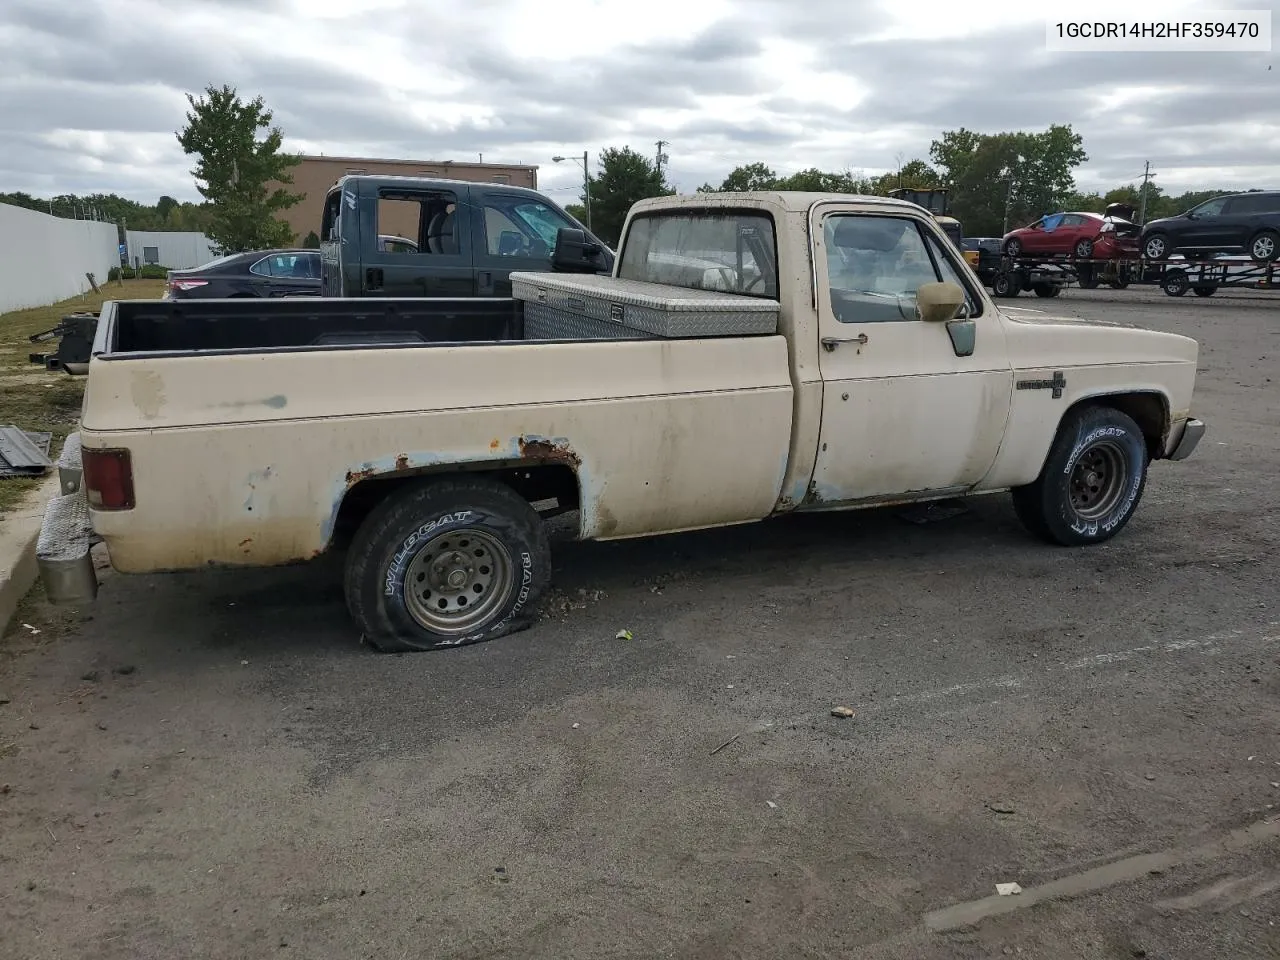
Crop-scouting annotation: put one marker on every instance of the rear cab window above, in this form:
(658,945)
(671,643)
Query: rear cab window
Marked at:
(733,251)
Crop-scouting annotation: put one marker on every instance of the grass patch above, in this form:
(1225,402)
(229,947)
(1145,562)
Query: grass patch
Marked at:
(45,401)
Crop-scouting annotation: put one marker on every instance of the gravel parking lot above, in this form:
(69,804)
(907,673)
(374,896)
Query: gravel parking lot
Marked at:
(210,766)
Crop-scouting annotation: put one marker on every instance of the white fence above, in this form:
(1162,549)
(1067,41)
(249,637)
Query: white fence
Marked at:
(171,249)
(44,259)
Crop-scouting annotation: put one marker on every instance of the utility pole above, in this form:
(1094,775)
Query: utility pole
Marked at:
(586,181)
(662,157)
(586,187)
(1142,196)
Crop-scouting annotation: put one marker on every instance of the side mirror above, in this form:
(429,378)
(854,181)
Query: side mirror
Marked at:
(939,302)
(574,253)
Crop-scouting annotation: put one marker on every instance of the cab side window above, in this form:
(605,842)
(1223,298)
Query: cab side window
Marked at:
(951,272)
(875,264)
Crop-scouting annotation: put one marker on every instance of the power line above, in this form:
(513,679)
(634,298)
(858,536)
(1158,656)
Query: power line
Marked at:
(1142,195)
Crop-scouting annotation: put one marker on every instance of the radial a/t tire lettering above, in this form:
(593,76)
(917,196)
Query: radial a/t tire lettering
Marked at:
(446,563)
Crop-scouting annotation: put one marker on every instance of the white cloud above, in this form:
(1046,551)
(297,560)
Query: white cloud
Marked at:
(92,92)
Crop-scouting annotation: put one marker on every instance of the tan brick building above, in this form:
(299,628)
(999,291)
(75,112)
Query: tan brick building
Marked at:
(315,175)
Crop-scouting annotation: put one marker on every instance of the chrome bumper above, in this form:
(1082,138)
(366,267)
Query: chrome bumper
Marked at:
(1191,435)
(66,536)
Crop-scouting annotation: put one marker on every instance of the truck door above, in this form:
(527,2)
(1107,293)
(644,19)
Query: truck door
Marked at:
(513,231)
(902,411)
(415,242)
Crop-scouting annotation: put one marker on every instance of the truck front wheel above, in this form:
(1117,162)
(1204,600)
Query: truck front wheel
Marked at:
(1091,481)
(446,563)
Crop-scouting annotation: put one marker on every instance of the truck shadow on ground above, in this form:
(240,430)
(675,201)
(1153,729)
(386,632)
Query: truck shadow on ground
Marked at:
(303,605)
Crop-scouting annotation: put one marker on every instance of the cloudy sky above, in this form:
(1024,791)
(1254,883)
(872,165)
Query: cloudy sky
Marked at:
(92,91)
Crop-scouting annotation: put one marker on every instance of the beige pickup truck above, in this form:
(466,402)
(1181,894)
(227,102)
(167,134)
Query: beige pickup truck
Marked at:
(757,354)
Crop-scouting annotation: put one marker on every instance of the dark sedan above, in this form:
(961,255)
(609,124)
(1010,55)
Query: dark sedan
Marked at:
(259,273)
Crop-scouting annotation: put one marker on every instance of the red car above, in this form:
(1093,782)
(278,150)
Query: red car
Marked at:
(1087,236)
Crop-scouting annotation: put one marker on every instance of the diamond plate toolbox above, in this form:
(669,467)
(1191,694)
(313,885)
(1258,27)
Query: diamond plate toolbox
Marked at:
(654,308)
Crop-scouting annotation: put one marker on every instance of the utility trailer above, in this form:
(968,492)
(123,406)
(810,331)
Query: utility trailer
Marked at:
(1047,275)
(1204,277)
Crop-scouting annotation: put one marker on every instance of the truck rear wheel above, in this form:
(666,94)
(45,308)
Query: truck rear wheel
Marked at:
(1091,481)
(446,563)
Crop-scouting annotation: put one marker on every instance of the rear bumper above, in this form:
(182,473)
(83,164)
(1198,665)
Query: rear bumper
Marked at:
(66,536)
(1192,431)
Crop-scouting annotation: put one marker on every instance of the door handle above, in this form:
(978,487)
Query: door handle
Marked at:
(373,278)
(830,343)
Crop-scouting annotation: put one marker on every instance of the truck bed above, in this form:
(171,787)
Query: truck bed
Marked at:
(142,327)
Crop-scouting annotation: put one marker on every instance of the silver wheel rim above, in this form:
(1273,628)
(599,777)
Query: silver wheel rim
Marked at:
(1155,249)
(1098,480)
(1264,248)
(458,580)
(1083,249)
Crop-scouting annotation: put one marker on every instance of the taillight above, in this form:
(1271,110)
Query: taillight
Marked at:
(185,285)
(108,478)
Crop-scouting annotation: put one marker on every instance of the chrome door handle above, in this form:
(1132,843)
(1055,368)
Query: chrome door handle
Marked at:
(830,343)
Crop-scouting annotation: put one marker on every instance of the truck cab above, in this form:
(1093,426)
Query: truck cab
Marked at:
(465,238)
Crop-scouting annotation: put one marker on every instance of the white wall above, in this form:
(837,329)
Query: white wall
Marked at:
(44,259)
(177,250)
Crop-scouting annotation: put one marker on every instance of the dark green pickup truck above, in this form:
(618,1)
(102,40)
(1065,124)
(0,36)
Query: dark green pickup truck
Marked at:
(455,238)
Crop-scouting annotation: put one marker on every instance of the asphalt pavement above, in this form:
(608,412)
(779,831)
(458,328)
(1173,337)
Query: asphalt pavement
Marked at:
(210,766)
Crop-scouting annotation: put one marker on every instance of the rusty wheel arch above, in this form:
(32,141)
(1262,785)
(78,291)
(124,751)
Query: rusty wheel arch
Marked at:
(543,470)
(1148,408)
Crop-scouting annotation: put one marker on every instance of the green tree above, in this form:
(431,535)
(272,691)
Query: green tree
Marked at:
(914,175)
(165,206)
(312,241)
(1022,174)
(752,177)
(625,177)
(234,169)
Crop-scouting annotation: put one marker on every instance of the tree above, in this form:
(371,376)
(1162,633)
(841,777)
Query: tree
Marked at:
(625,177)
(914,175)
(1022,174)
(234,168)
(753,176)
(165,206)
(312,241)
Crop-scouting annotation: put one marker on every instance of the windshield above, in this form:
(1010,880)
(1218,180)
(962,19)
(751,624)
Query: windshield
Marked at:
(730,251)
(542,220)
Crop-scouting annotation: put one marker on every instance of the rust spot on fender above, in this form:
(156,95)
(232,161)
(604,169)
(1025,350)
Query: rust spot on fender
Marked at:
(548,451)
(355,476)
(402,461)
(246,541)
(494,445)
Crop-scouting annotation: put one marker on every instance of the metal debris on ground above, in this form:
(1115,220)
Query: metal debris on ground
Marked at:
(1008,889)
(843,712)
(623,634)
(1000,806)
(933,512)
(772,805)
(24,454)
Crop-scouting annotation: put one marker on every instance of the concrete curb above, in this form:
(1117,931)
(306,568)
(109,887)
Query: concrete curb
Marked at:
(19,530)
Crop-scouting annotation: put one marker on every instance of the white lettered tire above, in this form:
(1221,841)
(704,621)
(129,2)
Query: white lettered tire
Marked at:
(446,563)
(1091,481)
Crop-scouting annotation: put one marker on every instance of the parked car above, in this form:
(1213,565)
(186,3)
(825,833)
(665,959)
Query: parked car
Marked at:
(855,361)
(1241,222)
(1088,236)
(258,273)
